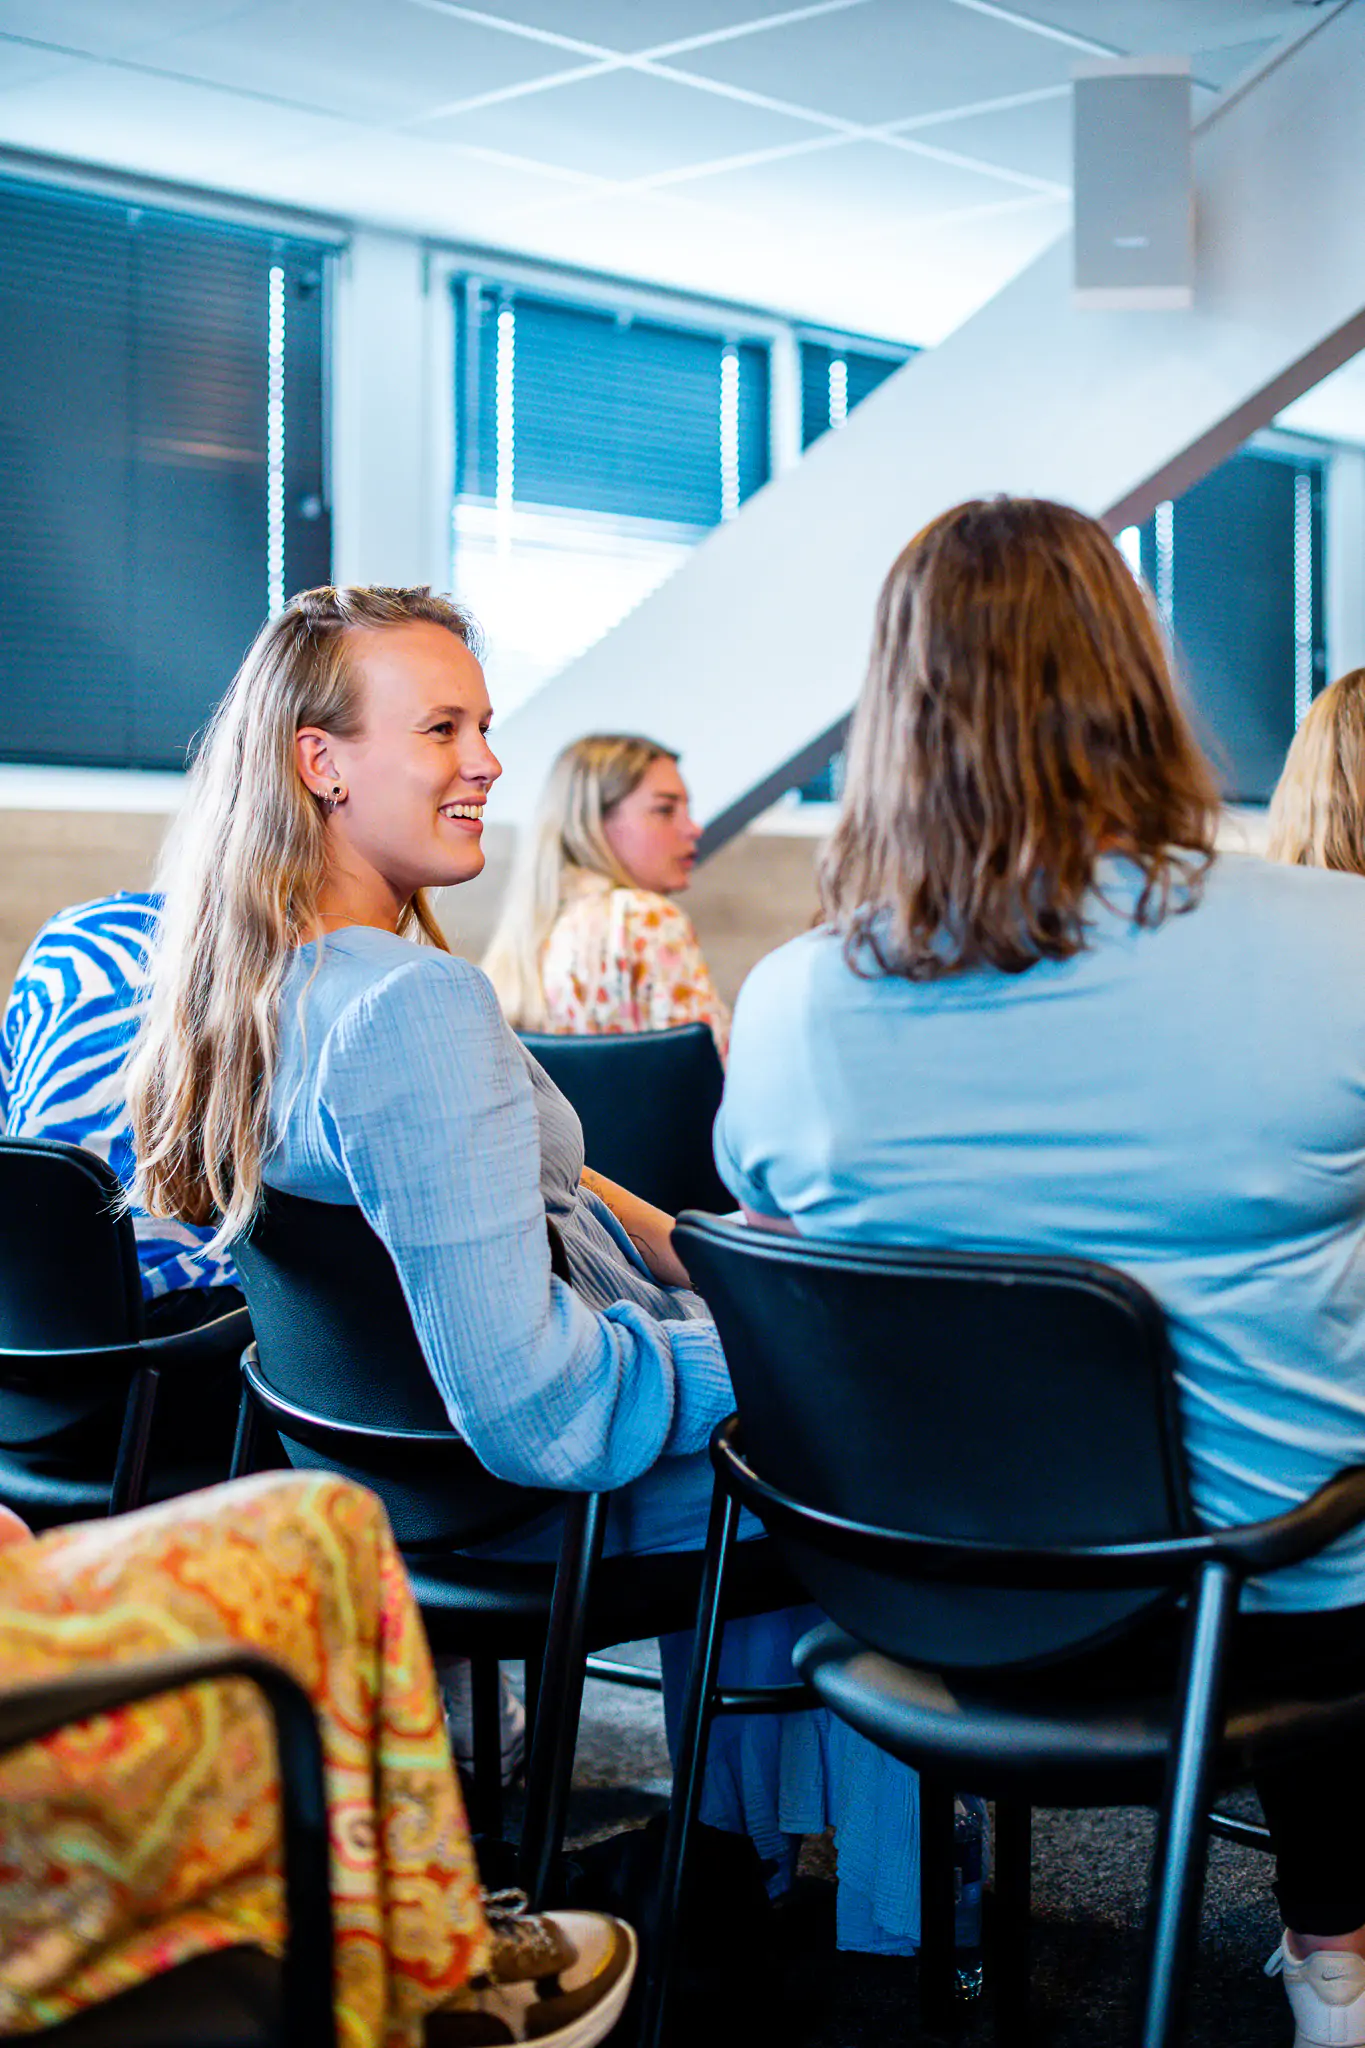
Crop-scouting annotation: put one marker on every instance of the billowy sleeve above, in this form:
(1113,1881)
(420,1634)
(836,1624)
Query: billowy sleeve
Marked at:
(429,1110)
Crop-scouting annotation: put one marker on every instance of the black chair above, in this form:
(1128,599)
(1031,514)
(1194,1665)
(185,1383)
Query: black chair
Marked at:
(647,1103)
(974,1464)
(338,1369)
(239,1998)
(74,1358)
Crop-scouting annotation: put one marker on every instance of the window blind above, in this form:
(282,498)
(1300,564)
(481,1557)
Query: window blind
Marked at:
(1236,565)
(836,380)
(594,447)
(161,448)
(583,408)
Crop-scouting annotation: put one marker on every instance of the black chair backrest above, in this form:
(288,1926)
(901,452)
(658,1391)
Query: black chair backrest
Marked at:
(68,1259)
(69,1282)
(335,1338)
(984,1398)
(647,1103)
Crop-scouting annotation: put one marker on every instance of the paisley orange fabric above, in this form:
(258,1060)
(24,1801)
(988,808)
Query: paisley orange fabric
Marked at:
(148,1836)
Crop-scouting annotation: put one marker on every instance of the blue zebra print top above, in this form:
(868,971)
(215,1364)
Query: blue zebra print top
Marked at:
(70,1021)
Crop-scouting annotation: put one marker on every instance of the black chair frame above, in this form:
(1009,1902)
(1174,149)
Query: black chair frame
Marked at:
(1202,1749)
(647,1102)
(30,1712)
(955,1724)
(93,1371)
(494,1610)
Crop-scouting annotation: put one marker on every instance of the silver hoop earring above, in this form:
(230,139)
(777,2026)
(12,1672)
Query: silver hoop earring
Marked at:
(333,797)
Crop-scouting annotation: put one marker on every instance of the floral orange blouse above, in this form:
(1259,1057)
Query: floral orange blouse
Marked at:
(626,960)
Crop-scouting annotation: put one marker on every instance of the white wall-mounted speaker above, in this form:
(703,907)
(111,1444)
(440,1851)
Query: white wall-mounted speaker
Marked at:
(1133,184)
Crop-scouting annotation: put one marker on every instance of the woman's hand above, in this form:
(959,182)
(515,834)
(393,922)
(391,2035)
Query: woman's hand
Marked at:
(650,1230)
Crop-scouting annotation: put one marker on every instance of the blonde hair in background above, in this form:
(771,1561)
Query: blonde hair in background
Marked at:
(565,839)
(241,873)
(1317,814)
(1019,719)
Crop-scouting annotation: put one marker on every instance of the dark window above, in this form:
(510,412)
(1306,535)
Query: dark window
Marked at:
(161,470)
(835,380)
(1236,564)
(594,448)
(606,413)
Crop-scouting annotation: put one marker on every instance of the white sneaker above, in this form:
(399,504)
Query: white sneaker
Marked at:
(1326,1995)
(583,1965)
(453,1674)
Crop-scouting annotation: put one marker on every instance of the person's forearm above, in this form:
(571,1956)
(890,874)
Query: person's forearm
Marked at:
(650,1230)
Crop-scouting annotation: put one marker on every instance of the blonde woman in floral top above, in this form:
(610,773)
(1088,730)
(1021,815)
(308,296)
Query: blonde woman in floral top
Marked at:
(589,939)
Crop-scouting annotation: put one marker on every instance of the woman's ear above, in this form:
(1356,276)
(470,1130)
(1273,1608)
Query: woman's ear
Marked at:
(312,753)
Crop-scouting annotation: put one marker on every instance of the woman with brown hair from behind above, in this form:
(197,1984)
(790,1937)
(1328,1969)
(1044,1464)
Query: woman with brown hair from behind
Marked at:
(1041,1015)
(1317,814)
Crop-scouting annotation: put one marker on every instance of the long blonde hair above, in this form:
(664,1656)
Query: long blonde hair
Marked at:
(1019,719)
(565,839)
(1317,814)
(241,873)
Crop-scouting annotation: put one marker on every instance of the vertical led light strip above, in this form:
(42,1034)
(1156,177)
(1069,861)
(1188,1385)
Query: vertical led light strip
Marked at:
(505,376)
(1165,562)
(729,433)
(1129,544)
(274,446)
(1303,595)
(838,391)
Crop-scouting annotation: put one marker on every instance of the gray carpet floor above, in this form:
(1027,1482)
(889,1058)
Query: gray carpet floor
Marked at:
(1089,1879)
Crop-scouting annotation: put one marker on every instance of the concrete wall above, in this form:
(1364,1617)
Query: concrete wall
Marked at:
(759,891)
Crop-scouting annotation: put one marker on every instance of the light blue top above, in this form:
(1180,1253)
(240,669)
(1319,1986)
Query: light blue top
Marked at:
(1187,1104)
(400,1088)
(69,1025)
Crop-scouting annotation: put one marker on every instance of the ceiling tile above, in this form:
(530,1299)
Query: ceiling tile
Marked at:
(1221,66)
(855,189)
(888,60)
(431,187)
(1164,27)
(109,28)
(622,124)
(1035,139)
(366,59)
(157,126)
(627,25)
(22,66)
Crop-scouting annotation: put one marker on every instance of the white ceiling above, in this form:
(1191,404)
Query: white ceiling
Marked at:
(879,166)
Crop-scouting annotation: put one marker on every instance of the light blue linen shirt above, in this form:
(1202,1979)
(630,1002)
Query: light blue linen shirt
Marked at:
(1185,1103)
(400,1088)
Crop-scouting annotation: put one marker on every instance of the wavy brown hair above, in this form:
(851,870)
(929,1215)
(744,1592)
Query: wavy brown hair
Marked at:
(1317,814)
(1019,719)
(241,873)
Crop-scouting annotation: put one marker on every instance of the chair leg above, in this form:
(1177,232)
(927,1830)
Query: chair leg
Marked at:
(690,1763)
(1182,1835)
(552,1753)
(485,1698)
(129,1488)
(938,2007)
(534,1673)
(1010,1946)
(246,1445)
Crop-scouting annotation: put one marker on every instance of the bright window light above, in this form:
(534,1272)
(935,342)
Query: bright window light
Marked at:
(838,391)
(1165,562)
(1303,596)
(729,433)
(274,445)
